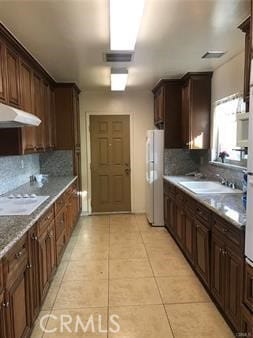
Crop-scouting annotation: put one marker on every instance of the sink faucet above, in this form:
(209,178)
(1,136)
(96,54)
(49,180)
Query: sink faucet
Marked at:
(223,181)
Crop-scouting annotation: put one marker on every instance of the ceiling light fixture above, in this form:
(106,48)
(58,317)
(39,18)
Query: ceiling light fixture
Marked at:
(215,54)
(119,79)
(125,18)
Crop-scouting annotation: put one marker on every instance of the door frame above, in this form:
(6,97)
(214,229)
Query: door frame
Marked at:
(88,143)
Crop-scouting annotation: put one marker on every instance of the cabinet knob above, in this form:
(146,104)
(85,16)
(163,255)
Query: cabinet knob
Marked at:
(29,266)
(19,254)
(35,238)
(224,230)
(6,305)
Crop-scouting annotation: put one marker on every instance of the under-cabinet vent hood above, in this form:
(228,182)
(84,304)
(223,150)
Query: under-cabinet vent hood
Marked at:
(14,118)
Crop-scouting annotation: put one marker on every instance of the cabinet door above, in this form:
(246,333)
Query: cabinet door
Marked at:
(17,298)
(159,106)
(166,211)
(34,274)
(246,323)
(52,129)
(26,86)
(248,286)
(76,114)
(218,270)
(189,236)
(185,115)
(43,265)
(2,316)
(202,251)
(234,273)
(46,105)
(13,78)
(180,225)
(51,251)
(38,111)
(3,74)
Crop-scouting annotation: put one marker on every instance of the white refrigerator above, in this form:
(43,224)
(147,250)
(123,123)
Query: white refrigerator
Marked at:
(249,223)
(154,177)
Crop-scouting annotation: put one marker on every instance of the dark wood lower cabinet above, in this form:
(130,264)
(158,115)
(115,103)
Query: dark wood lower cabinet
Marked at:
(202,251)
(215,249)
(2,314)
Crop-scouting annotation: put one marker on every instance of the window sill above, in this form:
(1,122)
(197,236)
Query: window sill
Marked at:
(227,165)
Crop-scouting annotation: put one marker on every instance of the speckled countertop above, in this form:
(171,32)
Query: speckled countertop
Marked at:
(12,228)
(228,206)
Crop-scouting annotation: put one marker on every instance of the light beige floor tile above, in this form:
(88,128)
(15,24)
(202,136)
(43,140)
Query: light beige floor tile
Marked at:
(136,250)
(123,227)
(126,219)
(81,294)
(60,273)
(170,267)
(133,268)
(149,321)
(133,292)
(126,238)
(50,298)
(90,252)
(164,251)
(197,320)
(94,322)
(181,290)
(102,220)
(88,238)
(160,237)
(86,269)
(38,331)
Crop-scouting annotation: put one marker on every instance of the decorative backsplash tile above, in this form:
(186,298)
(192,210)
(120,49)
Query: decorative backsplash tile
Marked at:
(16,170)
(57,163)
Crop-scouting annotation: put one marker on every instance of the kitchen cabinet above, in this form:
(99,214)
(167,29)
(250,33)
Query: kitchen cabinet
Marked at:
(167,111)
(17,301)
(61,227)
(13,77)
(248,286)
(202,251)
(215,250)
(38,111)
(246,322)
(196,110)
(2,314)
(245,27)
(3,74)
(26,86)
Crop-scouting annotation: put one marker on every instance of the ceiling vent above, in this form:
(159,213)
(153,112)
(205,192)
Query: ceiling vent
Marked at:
(118,56)
(213,55)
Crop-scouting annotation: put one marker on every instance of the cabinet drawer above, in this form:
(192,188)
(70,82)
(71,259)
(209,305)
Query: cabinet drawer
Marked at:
(203,214)
(232,236)
(60,221)
(15,261)
(45,220)
(59,204)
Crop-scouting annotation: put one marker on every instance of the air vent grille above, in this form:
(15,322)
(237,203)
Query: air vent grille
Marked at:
(213,55)
(118,57)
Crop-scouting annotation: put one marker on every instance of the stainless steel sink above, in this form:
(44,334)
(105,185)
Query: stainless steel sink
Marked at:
(209,187)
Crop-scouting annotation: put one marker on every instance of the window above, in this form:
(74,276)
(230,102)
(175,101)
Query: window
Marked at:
(225,127)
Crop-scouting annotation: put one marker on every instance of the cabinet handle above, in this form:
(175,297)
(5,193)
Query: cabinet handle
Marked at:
(6,305)
(19,254)
(29,266)
(35,238)
(224,252)
(224,230)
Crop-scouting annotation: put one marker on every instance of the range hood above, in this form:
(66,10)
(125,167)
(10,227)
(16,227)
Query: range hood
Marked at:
(15,118)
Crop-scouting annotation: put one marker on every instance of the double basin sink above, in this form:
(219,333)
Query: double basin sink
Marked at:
(208,187)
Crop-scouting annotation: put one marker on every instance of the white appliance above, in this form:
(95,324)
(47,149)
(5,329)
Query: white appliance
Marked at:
(154,177)
(249,224)
(14,118)
(20,205)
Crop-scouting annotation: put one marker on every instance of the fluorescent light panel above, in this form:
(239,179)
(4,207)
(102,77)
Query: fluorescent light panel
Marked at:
(119,79)
(125,18)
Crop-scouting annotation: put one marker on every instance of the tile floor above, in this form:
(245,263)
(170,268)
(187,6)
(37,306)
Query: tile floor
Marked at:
(119,265)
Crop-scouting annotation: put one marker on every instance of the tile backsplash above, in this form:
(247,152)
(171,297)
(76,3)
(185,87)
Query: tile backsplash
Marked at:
(182,161)
(57,163)
(16,170)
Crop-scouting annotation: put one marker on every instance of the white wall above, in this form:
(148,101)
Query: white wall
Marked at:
(140,103)
(228,79)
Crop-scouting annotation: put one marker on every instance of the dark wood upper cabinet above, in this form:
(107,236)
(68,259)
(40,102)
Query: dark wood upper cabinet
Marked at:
(13,77)
(245,27)
(183,108)
(46,108)
(3,74)
(196,110)
(26,90)
(38,111)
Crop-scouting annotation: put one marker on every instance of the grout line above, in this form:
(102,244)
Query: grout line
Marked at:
(172,332)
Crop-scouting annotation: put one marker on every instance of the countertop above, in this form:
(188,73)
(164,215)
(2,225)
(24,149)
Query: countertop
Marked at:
(12,228)
(228,206)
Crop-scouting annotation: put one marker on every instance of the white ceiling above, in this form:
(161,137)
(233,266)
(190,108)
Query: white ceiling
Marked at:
(69,37)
